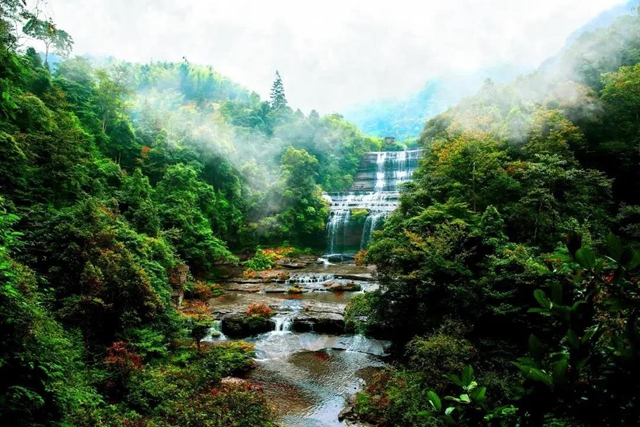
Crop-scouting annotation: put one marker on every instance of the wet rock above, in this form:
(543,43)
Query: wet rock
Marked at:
(292,264)
(334,257)
(347,413)
(242,326)
(300,325)
(233,381)
(244,287)
(321,323)
(343,287)
(276,290)
(365,277)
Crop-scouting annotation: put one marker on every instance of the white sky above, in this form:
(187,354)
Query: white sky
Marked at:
(331,53)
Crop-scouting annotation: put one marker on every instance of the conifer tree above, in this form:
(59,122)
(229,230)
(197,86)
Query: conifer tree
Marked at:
(278,99)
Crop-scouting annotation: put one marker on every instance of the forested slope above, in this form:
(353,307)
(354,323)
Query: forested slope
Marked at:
(515,252)
(122,186)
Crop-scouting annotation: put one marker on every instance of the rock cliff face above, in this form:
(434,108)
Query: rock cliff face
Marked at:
(374,195)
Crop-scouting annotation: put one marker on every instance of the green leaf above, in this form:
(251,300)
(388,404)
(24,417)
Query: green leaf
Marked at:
(542,311)
(434,400)
(479,394)
(599,266)
(542,298)
(614,247)
(586,258)
(589,333)
(582,363)
(450,421)
(576,304)
(560,371)
(449,410)
(556,293)
(572,338)
(467,376)
(455,379)
(534,374)
(536,349)
(635,260)
(465,398)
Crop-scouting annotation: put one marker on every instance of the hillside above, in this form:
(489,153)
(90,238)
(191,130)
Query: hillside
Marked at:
(511,265)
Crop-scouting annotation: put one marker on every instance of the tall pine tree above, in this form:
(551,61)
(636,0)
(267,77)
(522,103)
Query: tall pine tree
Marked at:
(278,99)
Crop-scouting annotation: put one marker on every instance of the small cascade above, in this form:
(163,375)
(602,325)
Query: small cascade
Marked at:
(215,333)
(309,280)
(372,223)
(283,323)
(355,215)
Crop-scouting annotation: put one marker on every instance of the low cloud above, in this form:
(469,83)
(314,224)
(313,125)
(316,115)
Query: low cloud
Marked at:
(331,54)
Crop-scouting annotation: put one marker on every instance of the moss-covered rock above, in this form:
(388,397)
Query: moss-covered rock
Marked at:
(242,325)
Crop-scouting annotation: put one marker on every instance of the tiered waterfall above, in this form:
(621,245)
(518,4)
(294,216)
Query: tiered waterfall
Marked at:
(374,195)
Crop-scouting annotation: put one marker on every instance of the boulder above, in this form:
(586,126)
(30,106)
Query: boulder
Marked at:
(242,326)
(343,287)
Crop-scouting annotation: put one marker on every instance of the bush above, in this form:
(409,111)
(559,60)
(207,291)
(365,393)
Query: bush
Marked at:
(439,354)
(233,405)
(202,290)
(259,309)
(360,257)
(261,261)
(394,398)
(359,216)
(165,390)
(357,313)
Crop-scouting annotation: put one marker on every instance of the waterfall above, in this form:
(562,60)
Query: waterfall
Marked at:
(375,194)
(283,324)
(215,332)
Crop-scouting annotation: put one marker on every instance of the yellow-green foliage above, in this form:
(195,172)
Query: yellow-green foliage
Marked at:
(261,261)
(359,215)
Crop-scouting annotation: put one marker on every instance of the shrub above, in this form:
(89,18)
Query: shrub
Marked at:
(259,309)
(357,313)
(121,363)
(359,216)
(229,405)
(360,257)
(437,355)
(394,398)
(261,261)
(203,290)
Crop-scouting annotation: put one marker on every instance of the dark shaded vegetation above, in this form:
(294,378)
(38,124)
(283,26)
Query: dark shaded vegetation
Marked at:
(515,252)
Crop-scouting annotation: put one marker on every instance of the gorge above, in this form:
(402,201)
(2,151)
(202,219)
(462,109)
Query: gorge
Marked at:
(308,362)
(177,250)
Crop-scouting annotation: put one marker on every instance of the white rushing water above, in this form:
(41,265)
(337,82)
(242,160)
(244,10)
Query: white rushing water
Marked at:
(215,333)
(378,193)
(283,323)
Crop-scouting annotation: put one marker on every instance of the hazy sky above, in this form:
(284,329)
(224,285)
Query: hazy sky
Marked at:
(331,53)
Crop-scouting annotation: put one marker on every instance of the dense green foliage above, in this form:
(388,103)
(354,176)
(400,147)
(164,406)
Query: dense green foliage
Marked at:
(509,274)
(119,186)
(503,254)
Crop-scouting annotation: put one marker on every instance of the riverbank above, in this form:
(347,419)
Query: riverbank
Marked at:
(307,365)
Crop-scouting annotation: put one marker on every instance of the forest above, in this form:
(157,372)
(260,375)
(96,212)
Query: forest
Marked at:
(508,274)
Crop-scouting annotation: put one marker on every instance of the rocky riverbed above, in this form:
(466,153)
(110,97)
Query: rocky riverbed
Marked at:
(306,363)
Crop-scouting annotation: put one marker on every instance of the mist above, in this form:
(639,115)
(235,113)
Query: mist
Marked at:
(331,55)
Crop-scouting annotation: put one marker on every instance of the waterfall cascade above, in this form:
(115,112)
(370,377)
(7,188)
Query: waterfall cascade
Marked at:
(283,323)
(215,333)
(356,214)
